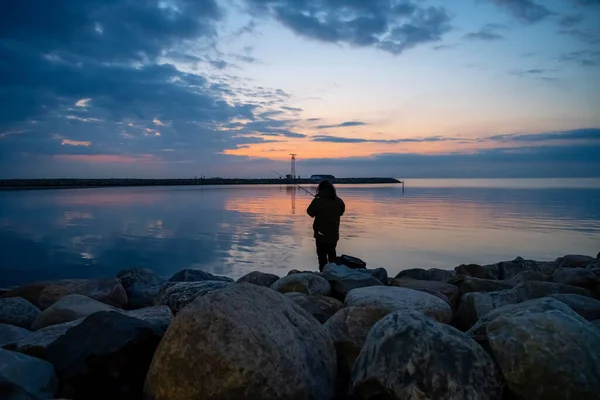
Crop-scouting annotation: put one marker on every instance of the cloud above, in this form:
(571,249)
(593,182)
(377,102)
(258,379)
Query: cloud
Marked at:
(526,11)
(535,73)
(587,134)
(82,102)
(392,26)
(585,58)
(75,143)
(339,139)
(486,33)
(342,125)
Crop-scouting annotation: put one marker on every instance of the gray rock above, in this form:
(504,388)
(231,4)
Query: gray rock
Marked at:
(69,308)
(433,274)
(585,306)
(573,261)
(17,311)
(32,377)
(106,356)
(412,357)
(378,273)
(178,295)
(596,323)
(141,285)
(576,276)
(196,275)
(307,283)
(547,355)
(44,294)
(505,270)
(320,307)
(349,328)
(530,276)
(448,290)
(259,278)
(469,284)
(158,317)
(38,342)
(532,290)
(475,305)
(249,342)
(393,298)
(11,334)
(478,331)
(343,279)
(478,271)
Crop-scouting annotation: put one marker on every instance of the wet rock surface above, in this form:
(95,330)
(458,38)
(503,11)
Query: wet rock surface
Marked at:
(320,307)
(17,311)
(259,278)
(196,275)
(141,285)
(26,377)
(178,295)
(302,282)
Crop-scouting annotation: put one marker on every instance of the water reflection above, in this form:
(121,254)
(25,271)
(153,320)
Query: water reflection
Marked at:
(232,230)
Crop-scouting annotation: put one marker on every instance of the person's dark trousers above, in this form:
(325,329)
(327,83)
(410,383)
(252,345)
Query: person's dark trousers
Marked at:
(326,253)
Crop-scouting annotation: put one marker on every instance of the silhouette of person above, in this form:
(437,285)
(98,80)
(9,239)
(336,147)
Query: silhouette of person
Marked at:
(326,209)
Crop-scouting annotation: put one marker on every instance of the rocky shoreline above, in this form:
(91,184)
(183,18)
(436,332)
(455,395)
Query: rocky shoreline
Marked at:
(518,329)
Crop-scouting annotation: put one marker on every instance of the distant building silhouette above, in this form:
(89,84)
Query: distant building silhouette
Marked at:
(330,178)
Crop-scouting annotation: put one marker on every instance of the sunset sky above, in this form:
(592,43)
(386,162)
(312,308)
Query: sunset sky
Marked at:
(183,88)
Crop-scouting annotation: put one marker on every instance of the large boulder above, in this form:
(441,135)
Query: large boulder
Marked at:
(574,261)
(159,317)
(343,279)
(196,275)
(576,276)
(477,271)
(243,342)
(320,307)
(547,354)
(447,289)
(106,356)
(469,284)
(349,328)
(44,294)
(69,308)
(409,356)
(432,274)
(17,311)
(141,285)
(532,290)
(585,306)
(303,282)
(505,270)
(11,334)
(394,298)
(530,276)
(38,342)
(178,295)
(478,331)
(378,273)
(259,278)
(475,305)
(30,377)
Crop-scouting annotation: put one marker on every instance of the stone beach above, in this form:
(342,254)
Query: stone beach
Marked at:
(519,329)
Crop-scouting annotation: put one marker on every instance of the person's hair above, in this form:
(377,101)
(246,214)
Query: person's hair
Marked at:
(326,190)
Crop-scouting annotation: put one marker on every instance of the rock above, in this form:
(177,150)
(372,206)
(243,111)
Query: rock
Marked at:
(392,298)
(38,342)
(159,317)
(69,308)
(439,295)
(349,328)
(378,273)
(469,284)
(448,290)
(18,312)
(529,276)
(259,278)
(248,342)
(547,355)
(196,275)
(433,274)
(44,294)
(141,285)
(178,295)
(343,279)
(576,276)
(478,331)
(320,307)
(475,305)
(106,356)
(11,334)
(411,357)
(477,271)
(596,323)
(31,376)
(573,261)
(303,282)
(533,290)
(587,307)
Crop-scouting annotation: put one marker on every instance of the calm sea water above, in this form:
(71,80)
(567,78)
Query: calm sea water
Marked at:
(82,233)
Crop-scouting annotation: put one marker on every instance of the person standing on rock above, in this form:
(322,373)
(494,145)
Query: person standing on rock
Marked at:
(326,209)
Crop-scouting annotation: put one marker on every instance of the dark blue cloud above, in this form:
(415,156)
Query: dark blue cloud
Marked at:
(584,58)
(575,134)
(526,11)
(486,33)
(393,26)
(342,125)
(338,139)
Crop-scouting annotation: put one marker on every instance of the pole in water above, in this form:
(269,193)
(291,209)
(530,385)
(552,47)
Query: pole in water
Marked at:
(281,176)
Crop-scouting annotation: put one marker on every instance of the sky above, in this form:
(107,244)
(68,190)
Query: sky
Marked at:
(400,88)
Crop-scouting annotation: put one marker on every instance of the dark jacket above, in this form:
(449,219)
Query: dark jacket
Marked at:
(327,213)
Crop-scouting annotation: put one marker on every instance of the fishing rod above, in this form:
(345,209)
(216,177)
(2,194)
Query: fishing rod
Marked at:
(281,176)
